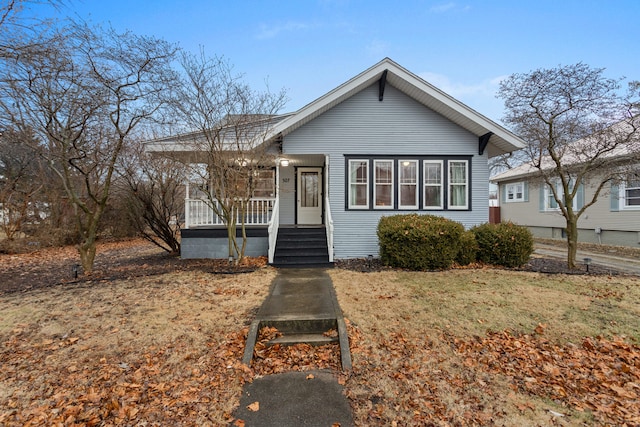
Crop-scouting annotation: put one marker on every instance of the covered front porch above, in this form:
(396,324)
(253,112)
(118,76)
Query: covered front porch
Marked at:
(292,195)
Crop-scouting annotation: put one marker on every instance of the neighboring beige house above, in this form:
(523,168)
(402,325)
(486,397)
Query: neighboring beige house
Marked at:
(614,219)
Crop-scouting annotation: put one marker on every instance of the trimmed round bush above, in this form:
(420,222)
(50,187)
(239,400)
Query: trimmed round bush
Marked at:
(468,248)
(419,242)
(505,244)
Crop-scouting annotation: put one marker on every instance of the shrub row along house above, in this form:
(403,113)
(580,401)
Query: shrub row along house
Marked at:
(384,142)
(614,217)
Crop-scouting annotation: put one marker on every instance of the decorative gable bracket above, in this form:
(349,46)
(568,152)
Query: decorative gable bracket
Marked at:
(381,84)
(483,141)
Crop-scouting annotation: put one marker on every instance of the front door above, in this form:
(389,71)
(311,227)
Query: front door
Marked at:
(309,196)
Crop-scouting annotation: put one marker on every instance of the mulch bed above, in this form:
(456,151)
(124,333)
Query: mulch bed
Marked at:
(535,264)
(138,258)
(114,261)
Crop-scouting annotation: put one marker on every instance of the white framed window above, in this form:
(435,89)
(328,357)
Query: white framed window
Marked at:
(432,186)
(549,203)
(383,188)
(458,184)
(515,192)
(358,184)
(264,183)
(408,184)
(630,192)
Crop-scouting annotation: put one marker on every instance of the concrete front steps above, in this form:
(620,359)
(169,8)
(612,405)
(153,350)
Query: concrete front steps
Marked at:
(302,247)
(303,307)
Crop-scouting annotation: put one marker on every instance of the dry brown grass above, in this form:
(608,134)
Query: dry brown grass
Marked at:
(114,339)
(406,369)
(166,349)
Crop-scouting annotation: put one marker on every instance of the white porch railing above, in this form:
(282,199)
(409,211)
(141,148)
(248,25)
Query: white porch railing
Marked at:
(329,227)
(273,229)
(199,213)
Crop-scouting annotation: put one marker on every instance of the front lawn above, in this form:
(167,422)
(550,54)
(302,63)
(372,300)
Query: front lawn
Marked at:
(492,347)
(459,347)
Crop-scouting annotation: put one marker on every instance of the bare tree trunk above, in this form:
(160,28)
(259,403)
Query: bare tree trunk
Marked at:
(572,240)
(244,231)
(87,250)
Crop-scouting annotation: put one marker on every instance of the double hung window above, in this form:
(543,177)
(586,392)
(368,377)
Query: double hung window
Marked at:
(358,184)
(458,184)
(632,191)
(515,192)
(408,186)
(383,189)
(432,172)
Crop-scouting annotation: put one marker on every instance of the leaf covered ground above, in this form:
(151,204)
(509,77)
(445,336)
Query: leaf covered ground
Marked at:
(152,340)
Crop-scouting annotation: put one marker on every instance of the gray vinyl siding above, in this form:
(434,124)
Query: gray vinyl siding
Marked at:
(398,125)
(287,195)
(619,227)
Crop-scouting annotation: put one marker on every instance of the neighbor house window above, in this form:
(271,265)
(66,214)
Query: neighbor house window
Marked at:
(631,190)
(548,201)
(432,172)
(515,192)
(358,184)
(408,185)
(383,189)
(458,184)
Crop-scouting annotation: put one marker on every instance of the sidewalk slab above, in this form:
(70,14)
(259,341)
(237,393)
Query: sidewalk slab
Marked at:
(295,399)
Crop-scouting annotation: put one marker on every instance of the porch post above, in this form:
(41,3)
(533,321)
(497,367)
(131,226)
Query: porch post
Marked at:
(186,206)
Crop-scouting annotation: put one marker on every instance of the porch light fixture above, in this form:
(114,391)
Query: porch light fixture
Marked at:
(284,162)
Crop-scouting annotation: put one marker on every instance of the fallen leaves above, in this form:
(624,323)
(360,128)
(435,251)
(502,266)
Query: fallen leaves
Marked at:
(275,359)
(601,375)
(254,407)
(149,389)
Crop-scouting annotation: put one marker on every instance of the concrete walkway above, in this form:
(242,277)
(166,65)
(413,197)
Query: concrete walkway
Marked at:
(615,261)
(302,304)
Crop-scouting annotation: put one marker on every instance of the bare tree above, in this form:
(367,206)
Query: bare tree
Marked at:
(84,92)
(20,180)
(154,194)
(17,30)
(580,130)
(228,123)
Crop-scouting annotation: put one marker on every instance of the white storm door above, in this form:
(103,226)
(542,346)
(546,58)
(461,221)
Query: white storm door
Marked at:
(309,196)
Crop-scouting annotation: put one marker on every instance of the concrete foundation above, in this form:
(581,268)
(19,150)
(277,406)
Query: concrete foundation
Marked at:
(214,243)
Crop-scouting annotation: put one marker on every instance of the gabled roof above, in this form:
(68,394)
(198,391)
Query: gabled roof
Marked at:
(501,140)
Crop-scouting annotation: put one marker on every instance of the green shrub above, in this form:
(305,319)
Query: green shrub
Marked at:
(505,244)
(468,248)
(419,242)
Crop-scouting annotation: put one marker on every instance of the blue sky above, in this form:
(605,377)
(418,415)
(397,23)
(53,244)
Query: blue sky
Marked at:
(309,47)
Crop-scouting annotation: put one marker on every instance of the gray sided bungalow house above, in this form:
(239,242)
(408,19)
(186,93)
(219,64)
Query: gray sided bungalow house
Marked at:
(383,143)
